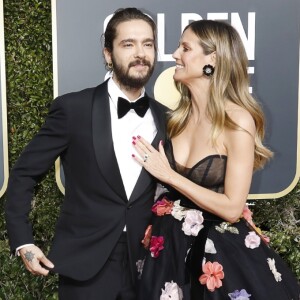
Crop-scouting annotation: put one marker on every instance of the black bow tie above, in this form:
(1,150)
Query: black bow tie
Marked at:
(140,106)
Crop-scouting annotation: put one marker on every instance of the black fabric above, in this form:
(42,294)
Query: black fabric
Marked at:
(95,207)
(140,106)
(183,256)
(113,282)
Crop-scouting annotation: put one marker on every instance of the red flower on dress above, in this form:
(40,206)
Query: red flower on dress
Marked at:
(213,273)
(162,207)
(147,237)
(156,245)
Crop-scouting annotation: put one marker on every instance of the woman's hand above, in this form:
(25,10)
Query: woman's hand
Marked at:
(155,162)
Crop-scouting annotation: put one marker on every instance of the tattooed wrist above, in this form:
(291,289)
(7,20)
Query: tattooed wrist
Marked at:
(29,256)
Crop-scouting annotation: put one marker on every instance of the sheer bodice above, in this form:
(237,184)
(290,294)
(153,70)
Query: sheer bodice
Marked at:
(209,172)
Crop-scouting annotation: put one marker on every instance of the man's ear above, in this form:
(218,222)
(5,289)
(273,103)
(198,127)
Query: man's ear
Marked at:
(107,55)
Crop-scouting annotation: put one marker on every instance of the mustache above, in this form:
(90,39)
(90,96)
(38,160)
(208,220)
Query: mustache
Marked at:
(140,62)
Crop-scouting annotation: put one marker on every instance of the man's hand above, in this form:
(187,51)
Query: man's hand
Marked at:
(32,257)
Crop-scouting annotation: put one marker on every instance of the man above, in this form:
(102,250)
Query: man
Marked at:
(108,196)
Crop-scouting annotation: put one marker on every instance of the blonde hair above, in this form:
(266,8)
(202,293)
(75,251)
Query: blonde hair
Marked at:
(229,81)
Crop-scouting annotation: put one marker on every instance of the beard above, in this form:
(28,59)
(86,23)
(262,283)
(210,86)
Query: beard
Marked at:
(129,81)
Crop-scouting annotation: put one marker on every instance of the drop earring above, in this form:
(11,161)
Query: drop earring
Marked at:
(208,70)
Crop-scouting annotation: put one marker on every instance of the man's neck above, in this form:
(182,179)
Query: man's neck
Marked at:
(131,93)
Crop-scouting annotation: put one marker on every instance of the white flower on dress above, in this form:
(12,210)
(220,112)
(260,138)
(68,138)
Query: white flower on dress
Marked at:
(160,189)
(139,267)
(193,222)
(210,247)
(171,292)
(252,240)
(271,263)
(178,212)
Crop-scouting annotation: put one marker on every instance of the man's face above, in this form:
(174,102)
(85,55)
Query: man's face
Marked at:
(133,54)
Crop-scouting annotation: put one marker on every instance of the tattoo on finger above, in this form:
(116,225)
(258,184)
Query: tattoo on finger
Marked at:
(29,256)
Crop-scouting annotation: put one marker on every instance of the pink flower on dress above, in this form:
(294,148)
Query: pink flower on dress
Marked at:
(265,238)
(162,207)
(252,240)
(213,273)
(156,245)
(147,237)
(193,222)
(247,214)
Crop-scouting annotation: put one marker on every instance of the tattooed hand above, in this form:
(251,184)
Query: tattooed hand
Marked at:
(32,257)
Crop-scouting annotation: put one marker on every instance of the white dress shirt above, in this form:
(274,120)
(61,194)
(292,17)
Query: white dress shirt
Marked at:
(122,132)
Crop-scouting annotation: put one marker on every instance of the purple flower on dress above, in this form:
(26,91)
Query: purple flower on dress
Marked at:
(239,295)
(193,222)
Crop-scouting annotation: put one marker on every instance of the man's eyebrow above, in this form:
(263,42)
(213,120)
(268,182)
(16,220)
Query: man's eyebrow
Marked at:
(148,40)
(127,41)
(133,40)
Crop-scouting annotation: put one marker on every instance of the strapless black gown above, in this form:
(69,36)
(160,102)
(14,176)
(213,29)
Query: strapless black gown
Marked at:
(209,258)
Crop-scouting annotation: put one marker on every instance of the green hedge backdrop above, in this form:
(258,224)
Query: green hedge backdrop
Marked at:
(29,94)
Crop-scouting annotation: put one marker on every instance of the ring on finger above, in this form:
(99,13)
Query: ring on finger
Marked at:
(146,156)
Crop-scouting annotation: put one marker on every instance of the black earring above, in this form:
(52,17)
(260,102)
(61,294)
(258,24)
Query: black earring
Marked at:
(208,70)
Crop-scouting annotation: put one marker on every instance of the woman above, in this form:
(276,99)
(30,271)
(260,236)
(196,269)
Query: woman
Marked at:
(204,244)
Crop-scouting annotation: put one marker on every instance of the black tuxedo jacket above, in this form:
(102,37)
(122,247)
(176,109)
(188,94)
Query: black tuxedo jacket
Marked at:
(95,209)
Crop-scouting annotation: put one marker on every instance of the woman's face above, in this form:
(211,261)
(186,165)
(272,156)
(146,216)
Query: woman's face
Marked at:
(190,59)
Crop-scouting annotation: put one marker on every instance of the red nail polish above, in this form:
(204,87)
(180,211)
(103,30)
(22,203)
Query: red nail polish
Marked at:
(133,142)
(132,155)
(134,137)
(138,136)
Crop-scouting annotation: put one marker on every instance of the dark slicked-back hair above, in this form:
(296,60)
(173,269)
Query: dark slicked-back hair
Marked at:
(123,15)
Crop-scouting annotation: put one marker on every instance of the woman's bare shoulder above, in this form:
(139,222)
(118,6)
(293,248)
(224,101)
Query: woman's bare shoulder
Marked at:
(241,117)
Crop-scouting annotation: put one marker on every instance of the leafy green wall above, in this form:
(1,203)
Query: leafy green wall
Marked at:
(29,94)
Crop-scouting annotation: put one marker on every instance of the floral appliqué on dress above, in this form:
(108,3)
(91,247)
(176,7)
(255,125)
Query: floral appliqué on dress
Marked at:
(171,292)
(271,263)
(139,267)
(156,245)
(213,275)
(226,226)
(239,295)
(252,240)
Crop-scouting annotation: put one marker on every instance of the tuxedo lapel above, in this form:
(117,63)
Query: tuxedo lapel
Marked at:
(145,178)
(102,140)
